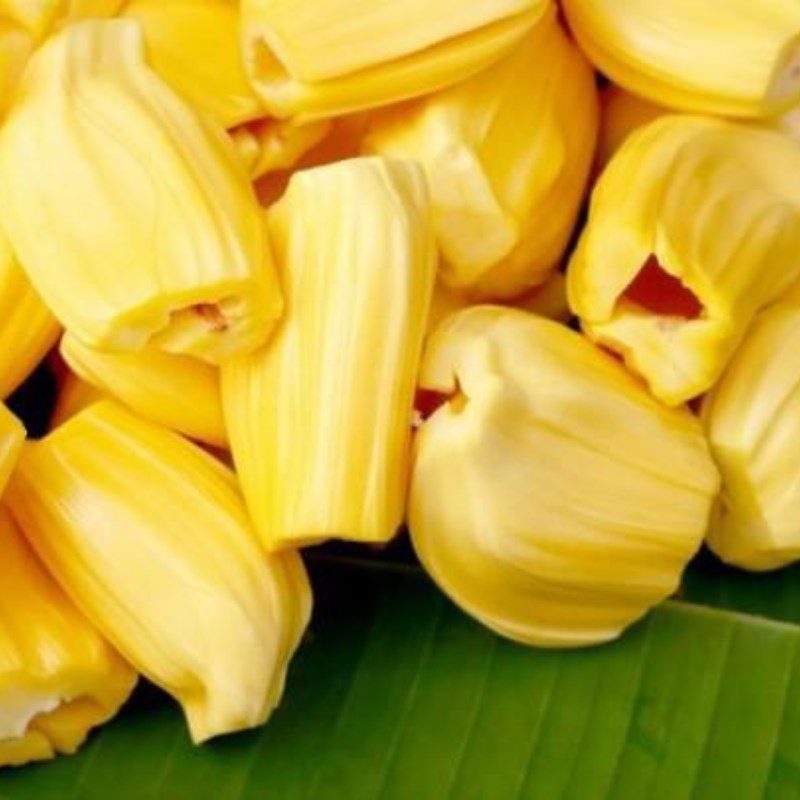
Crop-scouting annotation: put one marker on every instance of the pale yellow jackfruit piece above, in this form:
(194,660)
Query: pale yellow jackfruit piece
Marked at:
(58,677)
(507,155)
(40,17)
(194,46)
(178,392)
(735,58)
(621,114)
(153,233)
(551,496)
(693,228)
(270,145)
(149,536)
(314,59)
(319,420)
(752,419)
(72,396)
(27,328)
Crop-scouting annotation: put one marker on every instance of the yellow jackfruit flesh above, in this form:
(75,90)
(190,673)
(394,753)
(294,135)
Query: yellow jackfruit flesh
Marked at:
(72,396)
(316,59)
(40,17)
(693,228)
(58,677)
(148,534)
(27,328)
(622,114)
(16,47)
(734,58)
(551,496)
(548,300)
(12,437)
(178,392)
(507,154)
(194,46)
(752,419)
(153,233)
(270,145)
(319,420)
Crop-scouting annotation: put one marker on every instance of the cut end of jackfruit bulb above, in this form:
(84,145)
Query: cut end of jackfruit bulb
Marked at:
(507,154)
(59,678)
(319,420)
(739,59)
(354,58)
(148,534)
(154,234)
(752,419)
(552,497)
(694,226)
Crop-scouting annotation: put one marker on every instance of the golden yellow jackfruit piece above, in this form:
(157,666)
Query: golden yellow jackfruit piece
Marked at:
(149,536)
(194,46)
(752,419)
(342,141)
(735,58)
(621,114)
(72,396)
(12,437)
(548,300)
(58,677)
(131,214)
(694,227)
(40,17)
(319,420)
(551,496)
(16,47)
(270,145)
(27,328)
(178,392)
(314,59)
(507,155)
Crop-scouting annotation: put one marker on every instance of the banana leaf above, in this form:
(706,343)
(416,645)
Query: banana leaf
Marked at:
(397,694)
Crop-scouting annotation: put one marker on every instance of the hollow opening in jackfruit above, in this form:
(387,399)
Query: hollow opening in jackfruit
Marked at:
(212,314)
(662,294)
(429,401)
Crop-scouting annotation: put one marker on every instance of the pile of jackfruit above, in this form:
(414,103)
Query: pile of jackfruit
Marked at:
(521,277)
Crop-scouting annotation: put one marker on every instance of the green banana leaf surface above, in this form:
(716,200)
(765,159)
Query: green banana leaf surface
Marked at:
(397,694)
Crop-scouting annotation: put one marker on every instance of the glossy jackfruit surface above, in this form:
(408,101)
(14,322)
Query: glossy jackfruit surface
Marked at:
(507,154)
(319,420)
(149,536)
(735,58)
(693,227)
(194,46)
(753,422)
(27,328)
(73,394)
(323,58)
(12,437)
(58,677)
(178,392)
(41,17)
(153,234)
(551,496)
